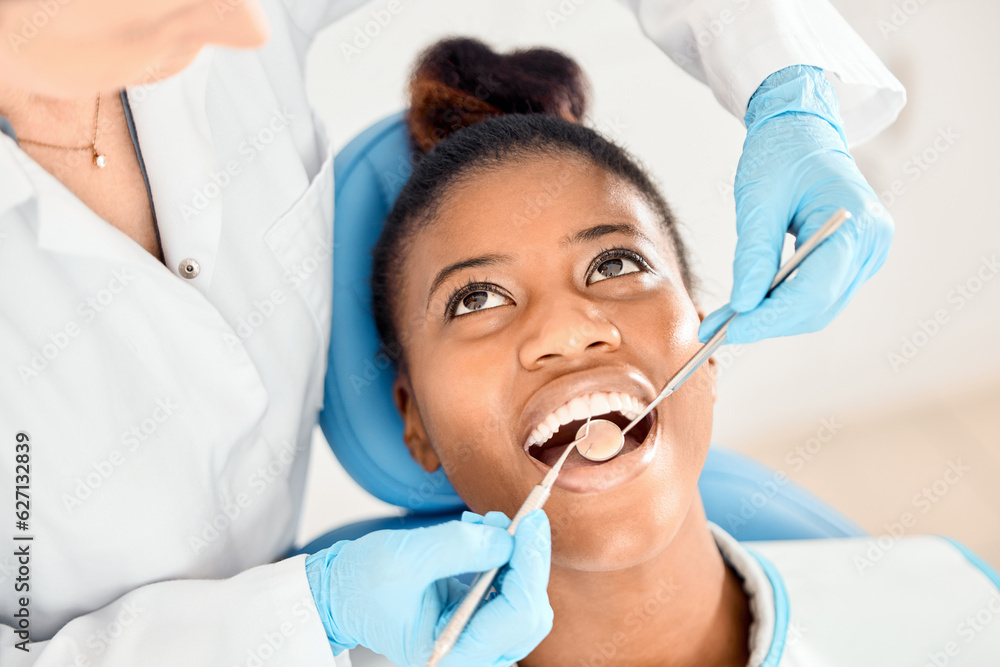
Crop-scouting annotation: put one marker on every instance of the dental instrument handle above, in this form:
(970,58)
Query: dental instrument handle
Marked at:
(719,337)
(476,593)
(535,500)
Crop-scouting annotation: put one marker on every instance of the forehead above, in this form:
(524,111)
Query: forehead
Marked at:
(538,200)
(523,215)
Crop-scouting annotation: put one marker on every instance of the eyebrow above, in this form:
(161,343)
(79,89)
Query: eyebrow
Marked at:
(582,236)
(600,231)
(471,263)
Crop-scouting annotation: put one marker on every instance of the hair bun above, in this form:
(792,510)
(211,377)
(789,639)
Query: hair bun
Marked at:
(459,82)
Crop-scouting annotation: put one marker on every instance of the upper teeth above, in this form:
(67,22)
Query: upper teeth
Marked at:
(582,407)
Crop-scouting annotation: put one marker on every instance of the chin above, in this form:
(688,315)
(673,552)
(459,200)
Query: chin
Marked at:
(603,534)
(166,67)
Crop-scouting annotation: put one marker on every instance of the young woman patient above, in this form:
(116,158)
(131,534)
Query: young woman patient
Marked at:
(534,276)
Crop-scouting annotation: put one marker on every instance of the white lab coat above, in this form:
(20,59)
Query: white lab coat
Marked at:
(170,417)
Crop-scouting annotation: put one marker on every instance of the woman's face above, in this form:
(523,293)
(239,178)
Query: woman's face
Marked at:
(66,48)
(542,292)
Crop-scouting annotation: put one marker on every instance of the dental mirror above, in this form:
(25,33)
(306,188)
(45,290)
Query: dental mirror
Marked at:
(602,442)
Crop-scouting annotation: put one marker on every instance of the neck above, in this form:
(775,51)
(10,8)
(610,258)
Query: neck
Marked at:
(681,608)
(59,121)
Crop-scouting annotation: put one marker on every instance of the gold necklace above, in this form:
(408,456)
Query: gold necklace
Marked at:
(99,158)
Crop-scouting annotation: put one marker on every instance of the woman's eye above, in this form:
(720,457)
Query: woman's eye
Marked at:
(612,268)
(479,300)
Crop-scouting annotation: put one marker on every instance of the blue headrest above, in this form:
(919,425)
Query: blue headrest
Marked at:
(359,418)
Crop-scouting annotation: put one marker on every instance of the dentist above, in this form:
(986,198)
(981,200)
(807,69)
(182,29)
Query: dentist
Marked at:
(166,200)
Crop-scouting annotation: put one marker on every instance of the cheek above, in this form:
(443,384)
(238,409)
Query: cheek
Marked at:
(465,407)
(667,328)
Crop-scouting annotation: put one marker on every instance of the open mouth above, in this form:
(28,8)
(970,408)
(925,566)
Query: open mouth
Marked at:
(550,451)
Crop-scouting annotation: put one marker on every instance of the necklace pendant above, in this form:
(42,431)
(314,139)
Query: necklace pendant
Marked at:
(100,160)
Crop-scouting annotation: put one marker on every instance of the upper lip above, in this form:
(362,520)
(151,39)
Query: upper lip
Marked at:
(567,387)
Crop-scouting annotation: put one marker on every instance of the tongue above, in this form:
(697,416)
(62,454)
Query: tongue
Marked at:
(550,455)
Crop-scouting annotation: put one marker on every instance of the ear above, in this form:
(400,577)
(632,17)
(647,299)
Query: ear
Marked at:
(713,367)
(414,434)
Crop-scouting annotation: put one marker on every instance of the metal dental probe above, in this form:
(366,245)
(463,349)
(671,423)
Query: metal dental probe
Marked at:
(717,339)
(476,593)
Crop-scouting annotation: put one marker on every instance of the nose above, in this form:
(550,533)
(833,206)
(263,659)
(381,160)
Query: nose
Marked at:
(567,333)
(239,24)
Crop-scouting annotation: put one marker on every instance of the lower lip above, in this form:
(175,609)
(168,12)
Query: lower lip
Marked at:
(592,477)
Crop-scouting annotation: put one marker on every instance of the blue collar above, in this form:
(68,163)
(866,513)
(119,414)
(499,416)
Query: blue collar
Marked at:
(781,611)
(7,128)
(753,569)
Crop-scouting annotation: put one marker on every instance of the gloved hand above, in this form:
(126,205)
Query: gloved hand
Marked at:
(393,591)
(795,172)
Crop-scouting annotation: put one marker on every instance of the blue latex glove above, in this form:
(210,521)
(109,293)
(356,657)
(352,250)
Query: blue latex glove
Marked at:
(393,591)
(795,172)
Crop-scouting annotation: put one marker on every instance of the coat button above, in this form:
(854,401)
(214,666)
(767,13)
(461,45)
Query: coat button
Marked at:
(189,268)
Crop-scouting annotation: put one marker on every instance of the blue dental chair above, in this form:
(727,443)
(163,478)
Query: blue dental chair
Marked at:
(360,421)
